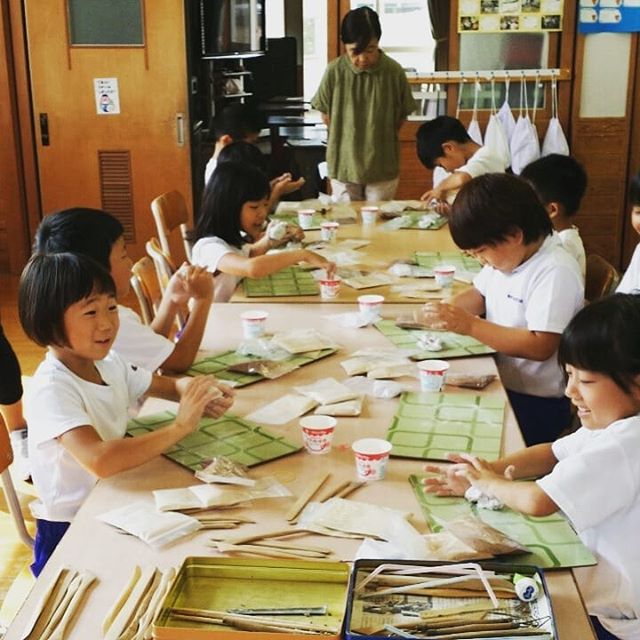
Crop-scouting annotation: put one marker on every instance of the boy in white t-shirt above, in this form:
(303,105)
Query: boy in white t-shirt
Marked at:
(560,182)
(444,143)
(521,301)
(630,282)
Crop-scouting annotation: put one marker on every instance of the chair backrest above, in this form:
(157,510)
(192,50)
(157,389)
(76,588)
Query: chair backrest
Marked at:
(6,458)
(170,212)
(164,270)
(145,284)
(601,278)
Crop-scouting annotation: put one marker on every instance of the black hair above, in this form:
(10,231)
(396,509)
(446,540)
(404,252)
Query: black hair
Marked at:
(237,120)
(360,27)
(229,188)
(49,285)
(558,178)
(91,232)
(434,133)
(244,152)
(603,337)
(634,189)
(492,206)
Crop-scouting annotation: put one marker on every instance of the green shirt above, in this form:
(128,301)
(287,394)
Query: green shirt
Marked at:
(365,109)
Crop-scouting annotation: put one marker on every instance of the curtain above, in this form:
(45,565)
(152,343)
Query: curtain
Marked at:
(440,13)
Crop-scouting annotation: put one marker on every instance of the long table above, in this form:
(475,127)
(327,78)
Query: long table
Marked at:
(92,545)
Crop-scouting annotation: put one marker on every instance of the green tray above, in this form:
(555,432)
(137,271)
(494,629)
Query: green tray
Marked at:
(456,345)
(412,223)
(242,441)
(428,426)
(218,365)
(459,259)
(292,281)
(552,542)
(292,218)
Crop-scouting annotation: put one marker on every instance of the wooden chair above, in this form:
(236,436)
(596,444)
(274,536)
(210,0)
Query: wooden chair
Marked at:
(601,278)
(144,282)
(170,212)
(6,458)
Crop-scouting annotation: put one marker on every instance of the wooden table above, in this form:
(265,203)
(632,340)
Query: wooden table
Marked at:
(92,545)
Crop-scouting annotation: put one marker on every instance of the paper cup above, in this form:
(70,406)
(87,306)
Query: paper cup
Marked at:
(369,215)
(444,274)
(305,218)
(329,231)
(370,306)
(253,323)
(432,374)
(329,288)
(372,455)
(317,433)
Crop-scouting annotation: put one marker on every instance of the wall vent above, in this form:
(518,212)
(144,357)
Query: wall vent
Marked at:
(116,189)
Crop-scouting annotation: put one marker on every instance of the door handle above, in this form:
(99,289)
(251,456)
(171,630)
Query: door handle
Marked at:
(180,129)
(44,129)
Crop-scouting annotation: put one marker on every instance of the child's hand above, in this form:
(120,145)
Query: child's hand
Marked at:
(195,395)
(448,482)
(221,404)
(478,472)
(443,316)
(198,283)
(285,184)
(318,261)
(294,233)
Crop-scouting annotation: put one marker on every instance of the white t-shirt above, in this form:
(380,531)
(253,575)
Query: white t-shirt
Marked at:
(209,169)
(596,483)
(207,252)
(484,160)
(630,282)
(58,401)
(541,294)
(572,242)
(140,344)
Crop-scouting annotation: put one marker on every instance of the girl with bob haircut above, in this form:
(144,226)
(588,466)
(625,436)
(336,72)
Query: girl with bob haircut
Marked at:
(230,236)
(524,297)
(77,403)
(592,475)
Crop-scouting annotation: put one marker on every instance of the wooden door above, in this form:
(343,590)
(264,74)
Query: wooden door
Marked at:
(115,161)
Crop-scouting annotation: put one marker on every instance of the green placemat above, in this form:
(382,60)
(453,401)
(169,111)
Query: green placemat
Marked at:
(292,218)
(218,365)
(552,542)
(286,282)
(242,441)
(455,345)
(428,426)
(462,261)
(412,219)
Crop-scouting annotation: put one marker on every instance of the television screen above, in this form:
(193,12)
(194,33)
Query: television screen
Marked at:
(232,27)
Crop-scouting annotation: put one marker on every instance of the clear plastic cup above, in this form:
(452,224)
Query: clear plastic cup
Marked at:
(369,215)
(317,433)
(305,218)
(432,374)
(372,456)
(444,274)
(329,231)
(254,323)
(370,306)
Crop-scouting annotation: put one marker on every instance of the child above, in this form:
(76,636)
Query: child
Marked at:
(11,407)
(364,98)
(528,291)
(630,282)
(592,475)
(561,181)
(100,236)
(240,123)
(78,399)
(230,239)
(444,142)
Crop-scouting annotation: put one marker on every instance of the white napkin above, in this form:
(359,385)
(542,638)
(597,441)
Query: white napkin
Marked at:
(282,410)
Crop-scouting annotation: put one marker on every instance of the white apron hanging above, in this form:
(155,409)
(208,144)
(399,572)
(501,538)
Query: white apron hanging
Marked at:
(525,146)
(504,114)
(554,139)
(495,138)
(474,126)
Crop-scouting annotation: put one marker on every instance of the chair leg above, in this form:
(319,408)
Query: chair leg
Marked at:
(14,507)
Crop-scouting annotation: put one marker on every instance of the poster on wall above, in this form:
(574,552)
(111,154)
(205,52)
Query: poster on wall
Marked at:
(498,16)
(107,96)
(597,16)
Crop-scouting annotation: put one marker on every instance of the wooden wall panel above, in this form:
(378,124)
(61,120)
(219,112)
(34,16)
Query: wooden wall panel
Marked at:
(414,178)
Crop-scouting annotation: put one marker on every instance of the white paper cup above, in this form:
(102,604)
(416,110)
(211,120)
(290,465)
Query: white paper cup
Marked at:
(370,306)
(329,231)
(372,455)
(444,274)
(369,215)
(317,433)
(305,218)
(329,288)
(254,323)
(432,374)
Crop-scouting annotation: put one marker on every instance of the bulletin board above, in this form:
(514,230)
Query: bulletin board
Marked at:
(597,16)
(513,16)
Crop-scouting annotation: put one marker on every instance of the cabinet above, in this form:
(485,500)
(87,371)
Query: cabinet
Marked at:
(229,80)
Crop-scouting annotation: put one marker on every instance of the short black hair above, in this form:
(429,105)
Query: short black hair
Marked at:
(360,26)
(91,232)
(242,151)
(558,178)
(237,120)
(603,337)
(634,189)
(434,133)
(229,188)
(492,206)
(49,285)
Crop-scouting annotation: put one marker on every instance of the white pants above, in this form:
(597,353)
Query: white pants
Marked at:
(386,190)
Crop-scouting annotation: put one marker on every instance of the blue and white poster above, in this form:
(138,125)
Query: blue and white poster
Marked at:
(598,16)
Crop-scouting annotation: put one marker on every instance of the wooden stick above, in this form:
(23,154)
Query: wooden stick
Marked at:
(336,491)
(246,626)
(62,607)
(122,598)
(347,491)
(278,533)
(155,605)
(313,485)
(87,579)
(254,549)
(133,627)
(294,547)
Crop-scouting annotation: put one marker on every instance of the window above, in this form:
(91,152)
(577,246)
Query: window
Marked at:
(314,44)
(99,23)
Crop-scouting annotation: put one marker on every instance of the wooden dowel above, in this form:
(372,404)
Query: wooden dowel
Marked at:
(313,485)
